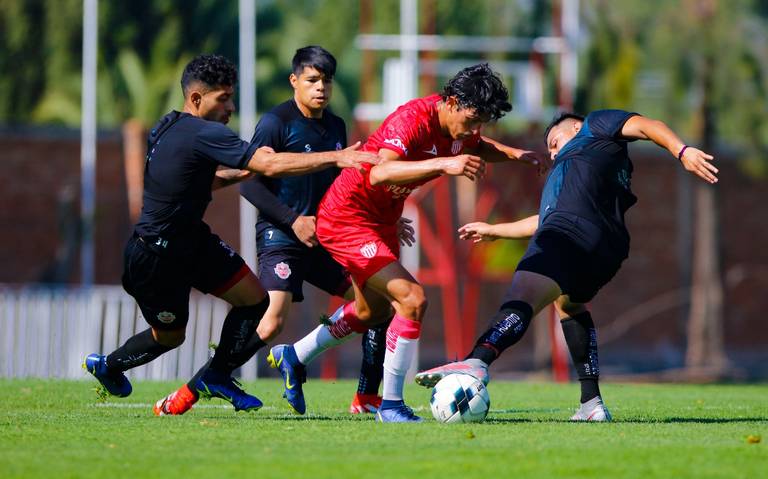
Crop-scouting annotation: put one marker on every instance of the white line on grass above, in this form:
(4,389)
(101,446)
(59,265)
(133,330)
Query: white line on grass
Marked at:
(133,405)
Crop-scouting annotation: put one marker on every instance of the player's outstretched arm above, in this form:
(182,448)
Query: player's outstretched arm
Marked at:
(269,163)
(229,176)
(479,231)
(694,160)
(394,171)
(493,151)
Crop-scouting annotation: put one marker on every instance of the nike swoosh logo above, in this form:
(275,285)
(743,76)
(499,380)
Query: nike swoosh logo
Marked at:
(288,384)
(433,151)
(210,394)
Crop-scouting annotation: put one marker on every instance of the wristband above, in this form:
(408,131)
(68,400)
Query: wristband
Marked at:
(682,150)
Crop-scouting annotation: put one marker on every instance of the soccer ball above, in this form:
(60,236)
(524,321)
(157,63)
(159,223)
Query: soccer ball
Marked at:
(460,398)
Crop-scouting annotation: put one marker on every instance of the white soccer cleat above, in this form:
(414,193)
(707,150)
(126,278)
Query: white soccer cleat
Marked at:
(473,367)
(594,411)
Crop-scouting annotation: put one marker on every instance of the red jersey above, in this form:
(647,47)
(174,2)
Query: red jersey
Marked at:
(413,131)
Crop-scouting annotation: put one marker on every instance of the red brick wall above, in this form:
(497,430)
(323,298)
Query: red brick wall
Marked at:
(39,168)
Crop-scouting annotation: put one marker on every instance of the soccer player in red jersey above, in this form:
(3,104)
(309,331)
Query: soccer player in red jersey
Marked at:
(357,220)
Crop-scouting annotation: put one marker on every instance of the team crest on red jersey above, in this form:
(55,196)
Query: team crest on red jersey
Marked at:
(282,270)
(456,147)
(369,250)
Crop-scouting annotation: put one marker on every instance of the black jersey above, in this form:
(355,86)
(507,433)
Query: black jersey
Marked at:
(285,129)
(589,188)
(183,154)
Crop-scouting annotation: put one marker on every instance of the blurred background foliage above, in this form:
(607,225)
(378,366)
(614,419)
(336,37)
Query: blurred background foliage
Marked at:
(650,56)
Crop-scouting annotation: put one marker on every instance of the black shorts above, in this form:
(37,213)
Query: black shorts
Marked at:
(579,273)
(286,269)
(161,282)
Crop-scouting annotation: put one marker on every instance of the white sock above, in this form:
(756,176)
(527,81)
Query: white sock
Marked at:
(320,339)
(396,364)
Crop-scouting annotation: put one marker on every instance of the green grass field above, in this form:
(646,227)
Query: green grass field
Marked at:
(59,429)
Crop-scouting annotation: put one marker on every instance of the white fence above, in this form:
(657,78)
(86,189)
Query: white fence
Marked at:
(47,333)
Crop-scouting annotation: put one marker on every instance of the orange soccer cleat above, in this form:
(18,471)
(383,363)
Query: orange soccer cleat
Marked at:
(178,402)
(365,403)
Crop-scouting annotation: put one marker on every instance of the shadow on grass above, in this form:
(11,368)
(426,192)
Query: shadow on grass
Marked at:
(703,420)
(670,420)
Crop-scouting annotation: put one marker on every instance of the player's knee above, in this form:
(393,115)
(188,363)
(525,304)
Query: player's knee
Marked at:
(270,327)
(170,339)
(414,304)
(363,313)
(566,309)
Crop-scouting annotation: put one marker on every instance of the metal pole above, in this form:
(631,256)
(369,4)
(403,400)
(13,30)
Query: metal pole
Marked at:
(247,119)
(409,56)
(569,60)
(88,140)
(247,18)
(409,30)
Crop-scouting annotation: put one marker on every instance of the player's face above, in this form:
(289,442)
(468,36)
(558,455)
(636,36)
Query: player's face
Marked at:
(463,122)
(312,91)
(217,104)
(561,134)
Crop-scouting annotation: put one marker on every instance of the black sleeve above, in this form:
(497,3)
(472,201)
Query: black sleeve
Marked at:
(269,132)
(607,123)
(257,193)
(222,145)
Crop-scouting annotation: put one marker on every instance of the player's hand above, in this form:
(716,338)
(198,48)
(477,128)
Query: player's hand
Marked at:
(698,163)
(471,166)
(477,232)
(266,149)
(350,157)
(405,232)
(542,162)
(304,227)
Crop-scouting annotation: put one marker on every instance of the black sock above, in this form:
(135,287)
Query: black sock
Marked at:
(238,337)
(372,367)
(507,327)
(239,358)
(139,349)
(191,383)
(581,337)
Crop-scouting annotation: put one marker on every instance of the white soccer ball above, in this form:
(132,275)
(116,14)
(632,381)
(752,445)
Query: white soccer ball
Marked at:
(460,398)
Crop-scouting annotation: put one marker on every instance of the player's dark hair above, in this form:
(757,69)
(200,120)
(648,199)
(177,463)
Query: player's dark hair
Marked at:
(561,117)
(315,57)
(210,70)
(480,88)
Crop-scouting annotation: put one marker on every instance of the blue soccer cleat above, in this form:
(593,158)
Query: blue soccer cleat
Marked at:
(213,384)
(283,358)
(400,413)
(114,382)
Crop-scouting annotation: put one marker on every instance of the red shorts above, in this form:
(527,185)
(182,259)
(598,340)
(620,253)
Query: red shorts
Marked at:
(361,250)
